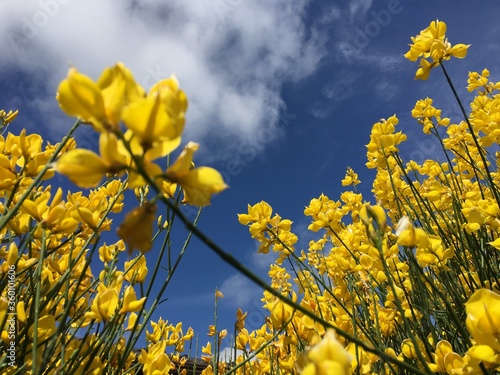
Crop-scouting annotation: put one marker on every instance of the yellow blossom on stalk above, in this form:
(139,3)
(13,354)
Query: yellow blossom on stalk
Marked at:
(4,309)
(136,270)
(208,370)
(104,306)
(383,142)
(240,320)
(211,330)
(107,253)
(242,339)
(360,359)
(495,244)
(46,326)
(13,259)
(389,320)
(431,43)
(375,220)
(155,360)
(218,294)
(326,357)
(222,335)
(198,184)
(478,81)
(207,352)
(408,348)
(160,331)
(132,319)
(159,117)
(434,253)
(261,211)
(26,152)
(137,228)
(410,236)
(8,177)
(280,312)
(351,178)
(443,348)
(130,302)
(7,117)
(424,112)
(98,103)
(86,169)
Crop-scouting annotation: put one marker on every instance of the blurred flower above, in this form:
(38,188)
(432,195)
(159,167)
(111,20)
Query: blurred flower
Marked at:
(98,103)
(137,228)
(86,169)
(483,322)
(325,358)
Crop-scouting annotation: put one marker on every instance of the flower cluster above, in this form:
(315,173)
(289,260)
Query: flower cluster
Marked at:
(432,44)
(135,129)
(410,284)
(74,304)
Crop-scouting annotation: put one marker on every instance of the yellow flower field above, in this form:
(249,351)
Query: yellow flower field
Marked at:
(408,285)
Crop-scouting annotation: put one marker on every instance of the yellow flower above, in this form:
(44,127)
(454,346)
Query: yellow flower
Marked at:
(103,306)
(375,220)
(132,319)
(148,120)
(326,357)
(408,348)
(483,318)
(101,103)
(160,331)
(218,294)
(45,328)
(136,270)
(211,330)
(495,244)
(410,236)
(207,350)
(261,211)
(280,312)
(351,178)
(431,43)
(198,184)
(137,228)
(130,302)
(240,320)
(242,339)
(155,360)
(7,117)
(159,116)
(86,169)
(443,348)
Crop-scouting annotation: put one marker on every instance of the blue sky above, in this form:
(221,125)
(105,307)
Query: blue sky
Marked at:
(282,99)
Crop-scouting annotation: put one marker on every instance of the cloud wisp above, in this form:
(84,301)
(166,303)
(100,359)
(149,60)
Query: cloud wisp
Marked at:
(231,57)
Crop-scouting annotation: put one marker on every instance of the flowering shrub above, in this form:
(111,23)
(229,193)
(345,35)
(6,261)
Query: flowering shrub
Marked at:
(409,285)
(57,316)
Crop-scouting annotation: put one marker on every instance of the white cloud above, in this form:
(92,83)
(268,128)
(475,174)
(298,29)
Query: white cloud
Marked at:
(231,56)
(359,8)
(386,90)
(319,110)
(239,291)
(342,87)
(330,14)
